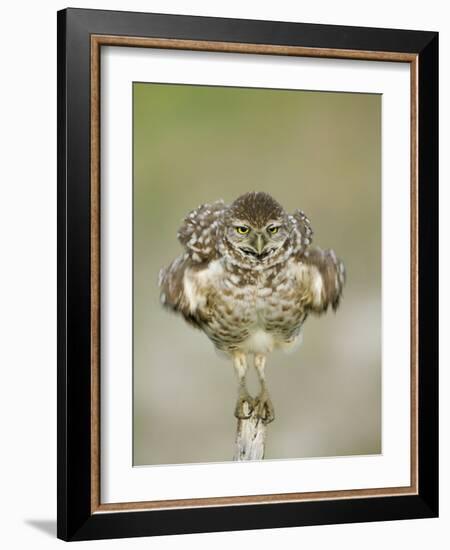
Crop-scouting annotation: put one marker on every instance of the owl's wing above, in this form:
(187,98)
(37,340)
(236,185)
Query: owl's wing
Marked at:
(174,293)
(301,232)
(184,281)
(321,278)
(198,232)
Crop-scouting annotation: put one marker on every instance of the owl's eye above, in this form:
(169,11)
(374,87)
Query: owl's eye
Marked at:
(242,229)
(272,229)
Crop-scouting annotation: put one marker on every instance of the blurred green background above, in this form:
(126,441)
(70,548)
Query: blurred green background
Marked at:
(317,151)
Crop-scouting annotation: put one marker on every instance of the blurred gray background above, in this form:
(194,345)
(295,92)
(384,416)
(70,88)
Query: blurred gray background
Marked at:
(317,151)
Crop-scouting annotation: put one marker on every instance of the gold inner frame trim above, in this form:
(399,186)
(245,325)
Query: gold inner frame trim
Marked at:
(264,49)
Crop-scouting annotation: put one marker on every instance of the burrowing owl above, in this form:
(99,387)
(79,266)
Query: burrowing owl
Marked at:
(248,279)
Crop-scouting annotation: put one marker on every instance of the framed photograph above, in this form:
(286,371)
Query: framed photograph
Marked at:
(247,257)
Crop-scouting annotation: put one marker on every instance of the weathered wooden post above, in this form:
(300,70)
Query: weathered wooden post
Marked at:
(250,438)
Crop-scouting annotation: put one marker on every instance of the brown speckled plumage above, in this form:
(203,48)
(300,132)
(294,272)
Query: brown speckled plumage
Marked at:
(250,294)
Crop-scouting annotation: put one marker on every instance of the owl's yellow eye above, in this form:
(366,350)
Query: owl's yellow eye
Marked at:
(242,229)
(272,229)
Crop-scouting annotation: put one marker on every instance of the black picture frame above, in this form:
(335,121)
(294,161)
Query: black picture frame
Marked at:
(76,519)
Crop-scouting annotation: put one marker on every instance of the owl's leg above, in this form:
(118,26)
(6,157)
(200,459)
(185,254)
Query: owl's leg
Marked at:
(245,403)
(264,408)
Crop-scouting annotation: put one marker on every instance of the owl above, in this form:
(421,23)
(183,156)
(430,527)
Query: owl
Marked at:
(248,278)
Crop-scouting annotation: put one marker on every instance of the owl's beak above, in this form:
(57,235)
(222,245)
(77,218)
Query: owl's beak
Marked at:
(259,242)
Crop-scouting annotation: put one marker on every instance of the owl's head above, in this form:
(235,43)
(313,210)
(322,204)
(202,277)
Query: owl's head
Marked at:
(256,226)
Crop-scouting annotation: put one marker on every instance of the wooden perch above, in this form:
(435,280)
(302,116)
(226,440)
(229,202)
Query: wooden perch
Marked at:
(250,438)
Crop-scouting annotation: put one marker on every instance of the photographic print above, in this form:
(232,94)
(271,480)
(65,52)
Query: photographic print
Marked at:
(256,273)
(247,274)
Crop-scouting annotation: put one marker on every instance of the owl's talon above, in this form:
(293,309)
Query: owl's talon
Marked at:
(244,406)
(264,408)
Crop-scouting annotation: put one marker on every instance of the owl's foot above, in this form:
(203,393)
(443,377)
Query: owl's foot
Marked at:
(264,408)
(244,405)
